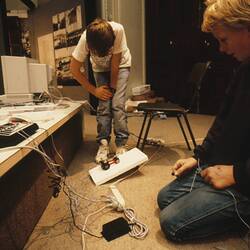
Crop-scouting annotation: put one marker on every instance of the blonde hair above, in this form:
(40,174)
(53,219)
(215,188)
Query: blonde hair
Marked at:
(234,14)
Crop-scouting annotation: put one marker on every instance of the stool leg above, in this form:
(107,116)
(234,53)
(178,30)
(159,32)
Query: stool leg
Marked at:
(147,130)
(190,130)
(142,128)
(183,132)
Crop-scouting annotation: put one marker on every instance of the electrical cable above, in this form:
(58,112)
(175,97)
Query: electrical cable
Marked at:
(61,98)
(141,166)
(237,211)
(138,230)
(197,171)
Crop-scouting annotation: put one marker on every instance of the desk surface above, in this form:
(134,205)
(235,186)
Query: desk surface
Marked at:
(48,122)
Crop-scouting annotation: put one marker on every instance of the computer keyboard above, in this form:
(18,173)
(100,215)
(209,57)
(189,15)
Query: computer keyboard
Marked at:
(12,133)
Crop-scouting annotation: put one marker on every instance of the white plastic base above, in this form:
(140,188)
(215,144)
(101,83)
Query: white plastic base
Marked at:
(128,160)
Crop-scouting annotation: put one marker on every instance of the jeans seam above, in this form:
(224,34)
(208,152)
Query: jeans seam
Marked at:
(201,217)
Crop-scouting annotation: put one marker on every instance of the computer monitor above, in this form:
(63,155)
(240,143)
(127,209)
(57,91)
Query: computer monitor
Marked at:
(23,75)
(16,74)
(41,75)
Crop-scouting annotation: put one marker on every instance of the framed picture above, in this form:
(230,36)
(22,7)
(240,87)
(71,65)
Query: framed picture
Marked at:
(67,30)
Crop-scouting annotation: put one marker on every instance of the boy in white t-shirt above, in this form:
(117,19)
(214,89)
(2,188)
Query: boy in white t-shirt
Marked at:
(110,57)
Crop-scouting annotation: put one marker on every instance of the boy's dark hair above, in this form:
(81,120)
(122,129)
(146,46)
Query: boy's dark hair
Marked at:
(100,37)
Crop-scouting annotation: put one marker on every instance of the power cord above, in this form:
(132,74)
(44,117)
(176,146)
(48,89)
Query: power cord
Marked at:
(237,211)
(197,171)
(139,230)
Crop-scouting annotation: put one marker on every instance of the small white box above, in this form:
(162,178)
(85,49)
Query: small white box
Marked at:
(16,98)
(140,90)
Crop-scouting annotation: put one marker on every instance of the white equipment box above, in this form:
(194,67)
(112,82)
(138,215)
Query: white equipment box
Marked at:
(128,160)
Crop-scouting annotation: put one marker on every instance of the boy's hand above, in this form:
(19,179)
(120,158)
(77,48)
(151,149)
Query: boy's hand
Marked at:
(103,93)
(219,176)
(113,86)
(183,165)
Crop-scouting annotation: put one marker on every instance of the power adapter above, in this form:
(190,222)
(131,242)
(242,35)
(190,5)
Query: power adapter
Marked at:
(115,229)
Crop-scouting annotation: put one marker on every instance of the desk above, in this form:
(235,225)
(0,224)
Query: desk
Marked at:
(24,183)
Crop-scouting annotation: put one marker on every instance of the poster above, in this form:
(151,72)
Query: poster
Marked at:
(67,30)
(46,49)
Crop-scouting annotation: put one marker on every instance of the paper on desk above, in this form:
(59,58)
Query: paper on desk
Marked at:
(42,116)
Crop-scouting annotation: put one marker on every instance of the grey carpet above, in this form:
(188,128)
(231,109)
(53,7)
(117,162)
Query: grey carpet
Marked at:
(55,229)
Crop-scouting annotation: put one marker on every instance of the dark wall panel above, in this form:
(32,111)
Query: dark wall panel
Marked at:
(174,43)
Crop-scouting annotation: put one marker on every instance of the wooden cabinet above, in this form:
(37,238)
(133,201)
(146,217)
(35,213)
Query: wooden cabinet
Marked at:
(26,189)
(174,42)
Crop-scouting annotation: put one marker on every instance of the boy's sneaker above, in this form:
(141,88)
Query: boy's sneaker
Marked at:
(121,150)
(103,151)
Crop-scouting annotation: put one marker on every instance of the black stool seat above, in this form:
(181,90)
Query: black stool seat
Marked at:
(170,110)
(166,107)
(150,110)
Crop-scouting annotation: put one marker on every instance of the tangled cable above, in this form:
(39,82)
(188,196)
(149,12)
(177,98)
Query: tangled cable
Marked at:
(138,229)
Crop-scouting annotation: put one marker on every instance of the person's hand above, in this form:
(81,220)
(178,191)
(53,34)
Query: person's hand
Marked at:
(183,165)
(113,86)
(219,176)
(103,93)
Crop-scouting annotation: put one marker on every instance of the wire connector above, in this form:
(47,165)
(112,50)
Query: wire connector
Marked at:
(119,202)
(155,141)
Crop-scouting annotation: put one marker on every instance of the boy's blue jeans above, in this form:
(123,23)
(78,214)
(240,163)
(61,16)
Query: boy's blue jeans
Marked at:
(113,109)
(201,213)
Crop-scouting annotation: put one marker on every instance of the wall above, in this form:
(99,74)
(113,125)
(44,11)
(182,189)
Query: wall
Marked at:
(41,23)
(131,15)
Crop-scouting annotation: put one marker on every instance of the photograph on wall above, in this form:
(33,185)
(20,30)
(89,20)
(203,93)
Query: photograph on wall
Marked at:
(73,25)
(60,36)
(67,30)
(63,71)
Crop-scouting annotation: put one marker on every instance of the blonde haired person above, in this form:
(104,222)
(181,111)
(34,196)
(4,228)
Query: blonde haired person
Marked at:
(105,43)
(211,194)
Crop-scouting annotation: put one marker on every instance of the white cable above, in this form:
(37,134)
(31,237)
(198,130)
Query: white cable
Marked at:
(141,166)
(83,241)
(85,224)
(236,209)
(45,156)
(83,197)
(138,229)
(61,98)
(53,143)
(197,171)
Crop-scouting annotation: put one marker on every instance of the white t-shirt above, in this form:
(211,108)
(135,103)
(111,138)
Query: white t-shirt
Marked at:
(102,64)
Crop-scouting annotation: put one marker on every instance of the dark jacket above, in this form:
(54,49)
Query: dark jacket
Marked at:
(228,140)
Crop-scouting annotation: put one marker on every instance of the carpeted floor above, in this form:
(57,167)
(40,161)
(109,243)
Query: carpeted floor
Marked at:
(55,229)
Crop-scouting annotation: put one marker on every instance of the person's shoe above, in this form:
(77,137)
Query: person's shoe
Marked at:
(103,151)
(121,150)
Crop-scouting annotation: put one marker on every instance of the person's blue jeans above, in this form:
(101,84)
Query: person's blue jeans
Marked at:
(201,213)
(113,109)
